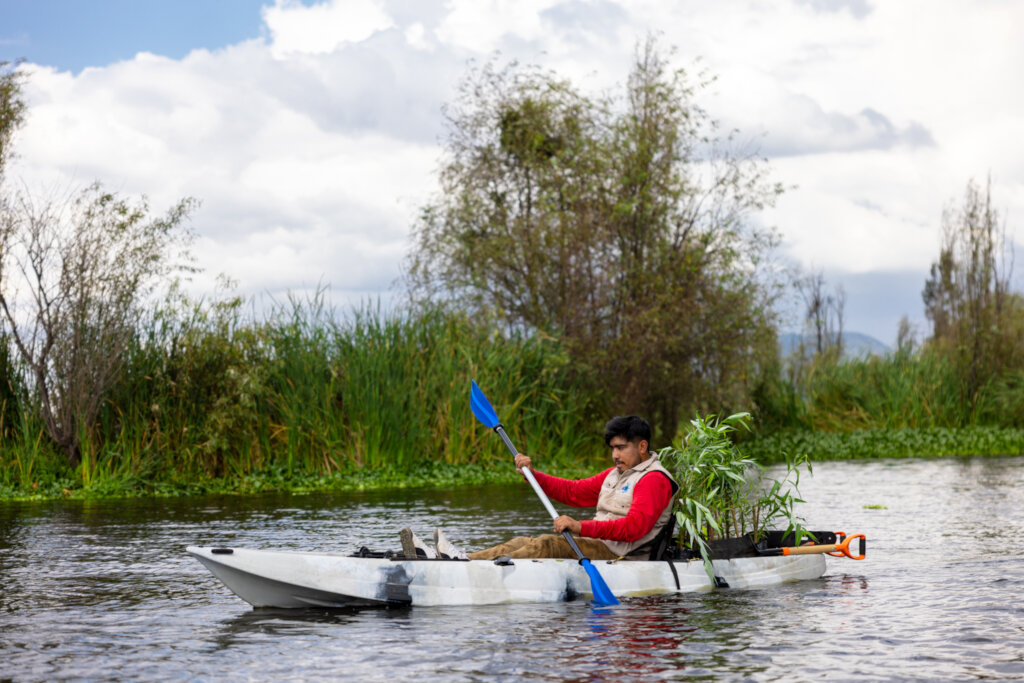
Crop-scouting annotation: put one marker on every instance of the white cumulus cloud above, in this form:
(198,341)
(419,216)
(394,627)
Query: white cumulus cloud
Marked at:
(312,146)
(320,29)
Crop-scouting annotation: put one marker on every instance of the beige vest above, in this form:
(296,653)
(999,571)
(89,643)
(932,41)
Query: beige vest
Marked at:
(617,495)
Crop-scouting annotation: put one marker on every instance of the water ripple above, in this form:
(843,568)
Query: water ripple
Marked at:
(104,591)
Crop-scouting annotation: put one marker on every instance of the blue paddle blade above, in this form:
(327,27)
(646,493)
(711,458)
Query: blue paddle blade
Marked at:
(482,407)
(602,593)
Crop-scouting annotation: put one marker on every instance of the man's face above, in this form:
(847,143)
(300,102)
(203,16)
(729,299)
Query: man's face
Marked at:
(626,454)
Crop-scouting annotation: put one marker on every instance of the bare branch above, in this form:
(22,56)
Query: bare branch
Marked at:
(87,265)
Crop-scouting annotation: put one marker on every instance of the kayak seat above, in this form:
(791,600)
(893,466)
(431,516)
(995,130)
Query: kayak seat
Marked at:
(662,546)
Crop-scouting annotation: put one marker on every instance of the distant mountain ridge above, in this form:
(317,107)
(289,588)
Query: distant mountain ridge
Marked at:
(855,345)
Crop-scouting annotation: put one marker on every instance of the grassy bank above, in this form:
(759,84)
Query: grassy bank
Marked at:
(277,479)
(918,389)
(212,400)
(913,403)
(887,443)
(56,482)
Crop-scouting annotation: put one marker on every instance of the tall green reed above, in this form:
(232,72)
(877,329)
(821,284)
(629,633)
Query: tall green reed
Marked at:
(213,391)
(905,389)
(405,390)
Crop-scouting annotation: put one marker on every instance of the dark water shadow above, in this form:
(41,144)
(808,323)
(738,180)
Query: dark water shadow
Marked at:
(280,623)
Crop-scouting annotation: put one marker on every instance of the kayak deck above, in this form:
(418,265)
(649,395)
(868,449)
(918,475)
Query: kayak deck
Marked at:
(286,579)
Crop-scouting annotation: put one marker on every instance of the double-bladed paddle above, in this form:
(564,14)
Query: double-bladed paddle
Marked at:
(485,413)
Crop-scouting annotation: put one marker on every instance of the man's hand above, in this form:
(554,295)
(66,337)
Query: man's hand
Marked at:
(523,461)
(567,523)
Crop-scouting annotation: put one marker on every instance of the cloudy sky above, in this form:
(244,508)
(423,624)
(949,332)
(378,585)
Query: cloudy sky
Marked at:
(311,131)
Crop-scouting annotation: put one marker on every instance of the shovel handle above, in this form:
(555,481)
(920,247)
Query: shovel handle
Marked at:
(834,549)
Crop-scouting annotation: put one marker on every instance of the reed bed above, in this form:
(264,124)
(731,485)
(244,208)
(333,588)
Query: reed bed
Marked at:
(212,394)
(922,389)
(925,442)
(907,404)
(214,397)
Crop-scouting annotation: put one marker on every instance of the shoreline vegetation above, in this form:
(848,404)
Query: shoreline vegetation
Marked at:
(214,401)
(587,255)
(977,441)
(817,446)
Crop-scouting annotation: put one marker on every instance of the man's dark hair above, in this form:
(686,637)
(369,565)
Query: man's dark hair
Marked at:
(632,428)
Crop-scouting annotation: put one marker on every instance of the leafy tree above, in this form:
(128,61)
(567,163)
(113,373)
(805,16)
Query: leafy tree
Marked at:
(73,278)
(12,114)
(967,298)
(617,223)
(12,108)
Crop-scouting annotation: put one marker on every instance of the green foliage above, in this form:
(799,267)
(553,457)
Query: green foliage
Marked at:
(977,322)
(909,389)
(1001,400)
(969,374)
(10,391)
(12,108)
(724,494)
(618,224)
(73,279)
(905,389)
(886,443)
(213,399)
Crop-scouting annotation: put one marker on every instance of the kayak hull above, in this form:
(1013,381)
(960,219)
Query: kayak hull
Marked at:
(283,579)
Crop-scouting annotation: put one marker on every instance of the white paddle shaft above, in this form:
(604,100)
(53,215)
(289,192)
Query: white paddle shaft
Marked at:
(540,492)
(528,474)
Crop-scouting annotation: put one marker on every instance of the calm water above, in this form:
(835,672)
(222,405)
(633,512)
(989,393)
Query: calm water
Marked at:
(105,591)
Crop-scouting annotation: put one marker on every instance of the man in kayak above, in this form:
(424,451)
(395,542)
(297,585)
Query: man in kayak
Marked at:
(633,500)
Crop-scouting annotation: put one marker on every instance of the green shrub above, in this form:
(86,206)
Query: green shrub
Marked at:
(885,443)
(211,395)
(724,494)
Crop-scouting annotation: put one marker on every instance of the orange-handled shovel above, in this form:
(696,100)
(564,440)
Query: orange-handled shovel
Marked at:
(835,549)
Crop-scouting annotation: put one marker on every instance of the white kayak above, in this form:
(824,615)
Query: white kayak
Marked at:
(271,578)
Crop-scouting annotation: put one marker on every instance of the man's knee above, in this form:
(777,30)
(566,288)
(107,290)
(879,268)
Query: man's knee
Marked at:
(506,548)
(553,545)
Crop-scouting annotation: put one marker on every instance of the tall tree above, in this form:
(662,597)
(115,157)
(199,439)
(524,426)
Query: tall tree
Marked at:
(616,223)
(967,295)
(73,277)
(823,313)
(12,115)
(12,108)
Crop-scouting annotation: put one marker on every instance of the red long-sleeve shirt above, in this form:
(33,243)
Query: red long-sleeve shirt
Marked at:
(651,495)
